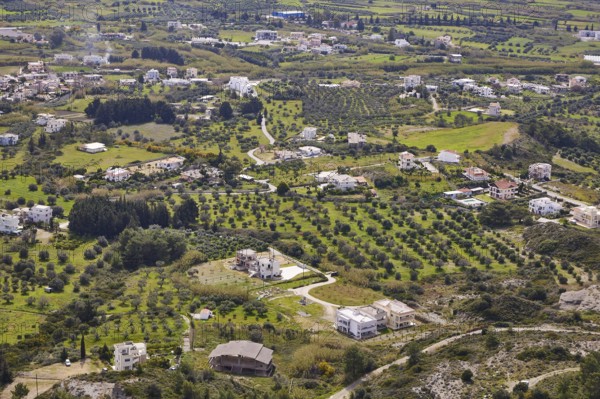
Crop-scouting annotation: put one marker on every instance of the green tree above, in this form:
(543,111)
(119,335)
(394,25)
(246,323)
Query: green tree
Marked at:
(360,26)
(467,376)
(20,391)
(225,110)
(186,214)
(6,376)
(590,375)
(355,363)
(501,394)
(282,188)
(82,347)
(56,38)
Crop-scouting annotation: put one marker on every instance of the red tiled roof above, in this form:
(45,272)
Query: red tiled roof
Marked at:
(505,184)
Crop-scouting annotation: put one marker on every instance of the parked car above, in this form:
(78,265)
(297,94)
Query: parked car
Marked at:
(68,363)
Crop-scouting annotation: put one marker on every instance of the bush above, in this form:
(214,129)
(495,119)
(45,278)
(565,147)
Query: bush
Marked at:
(467,376)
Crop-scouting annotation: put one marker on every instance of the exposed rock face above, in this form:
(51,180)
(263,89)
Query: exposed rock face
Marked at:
(585,299)
(94,390)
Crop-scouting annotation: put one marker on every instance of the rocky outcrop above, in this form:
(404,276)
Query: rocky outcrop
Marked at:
(585,299)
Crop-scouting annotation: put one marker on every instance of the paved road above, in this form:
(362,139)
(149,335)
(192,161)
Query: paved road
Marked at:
(554,194)
(250,153)
(263,126)
(330,308)
(549,193)
(347,391)
(254,157)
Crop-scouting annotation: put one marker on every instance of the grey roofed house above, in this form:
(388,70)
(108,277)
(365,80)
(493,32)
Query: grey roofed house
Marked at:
(242,357)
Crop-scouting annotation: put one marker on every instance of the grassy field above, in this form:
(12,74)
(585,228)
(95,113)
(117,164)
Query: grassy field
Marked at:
(477,137)
(120,156)
(152,131)
(345,294)
(13,189)
(565,163)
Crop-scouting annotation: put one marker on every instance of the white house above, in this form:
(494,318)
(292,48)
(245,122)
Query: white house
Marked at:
(268,268)
(242,85)
(354,323)
(494,109)
(579,81)
(175,25)
(455,58)
(191,73)
(343,182)
(398,314)
(40,214)
(402,43)
(55,125)
(412,81)
(264,34)
(94,60)
(58,58)
(406,161)
(128,82)
(309,133)
(544,206)
(309,151)
(9,139)
(176,82)
(587,216)
(93,148)
(356,139)
(42,119)
(171,163)
(503,189)
(128,354)
(171,72)
(151,75)
(476,174)
(540,171)
(9,224)
(36,67)
(117,174)
(448,156)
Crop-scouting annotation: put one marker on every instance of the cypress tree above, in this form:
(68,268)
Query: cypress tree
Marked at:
(82,347)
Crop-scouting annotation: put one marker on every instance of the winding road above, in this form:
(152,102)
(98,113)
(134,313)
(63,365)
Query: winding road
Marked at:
(346,392)
(250,153)
(330,308)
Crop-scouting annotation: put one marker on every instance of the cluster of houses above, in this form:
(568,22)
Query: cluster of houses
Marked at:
(190,76)
(33,82)
(12,223)
(51,123)
(502,189)
(365,321)
(238,357)
(117,174)
(564,82)
(264,268)
(340,181)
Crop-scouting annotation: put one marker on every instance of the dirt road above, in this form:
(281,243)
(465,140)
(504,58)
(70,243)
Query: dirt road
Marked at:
(48,376)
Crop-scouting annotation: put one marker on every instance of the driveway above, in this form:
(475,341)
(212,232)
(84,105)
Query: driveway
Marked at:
(330,308)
